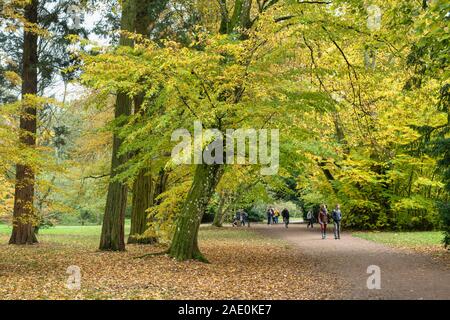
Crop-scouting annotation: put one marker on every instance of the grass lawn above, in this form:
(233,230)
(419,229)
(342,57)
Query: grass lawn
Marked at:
(60,230)
(240,262)
(425,239)
(67,230)
(87,235)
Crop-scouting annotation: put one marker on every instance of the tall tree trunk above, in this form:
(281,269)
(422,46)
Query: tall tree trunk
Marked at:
(144,189)
(161,184)
(113,228)
(241,16)
(240,19)
(143,198)
(143,185)
(24,216)
(184,243)
(218,217)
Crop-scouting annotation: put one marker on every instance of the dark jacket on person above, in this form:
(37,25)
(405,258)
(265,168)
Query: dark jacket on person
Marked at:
(336,215)
(285,213)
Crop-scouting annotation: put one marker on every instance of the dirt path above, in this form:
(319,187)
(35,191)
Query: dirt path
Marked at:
(404,274)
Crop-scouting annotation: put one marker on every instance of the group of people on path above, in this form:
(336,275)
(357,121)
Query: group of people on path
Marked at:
(322,219)
(273,216)
(241,219)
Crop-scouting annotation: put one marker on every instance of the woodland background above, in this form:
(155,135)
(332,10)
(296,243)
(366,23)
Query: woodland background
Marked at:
(86,114)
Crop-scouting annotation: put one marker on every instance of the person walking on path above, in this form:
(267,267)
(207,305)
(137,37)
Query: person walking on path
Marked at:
(276,215)
(323,220)
(241,217)
(247,219)
(269,215)
(337,217)
(244,219)
(236,219)
(310,219)
(285,215)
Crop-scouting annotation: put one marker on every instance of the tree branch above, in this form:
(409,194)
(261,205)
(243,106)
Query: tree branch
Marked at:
(183,99)
(96,177)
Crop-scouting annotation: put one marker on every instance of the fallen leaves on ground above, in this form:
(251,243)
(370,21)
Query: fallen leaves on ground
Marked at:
(435,252)
(243,265)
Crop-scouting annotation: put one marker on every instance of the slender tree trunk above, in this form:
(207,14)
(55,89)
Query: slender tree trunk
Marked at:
(218,217)
(226,213)
(184,244)
(113,228)
(240,19)
(24,216)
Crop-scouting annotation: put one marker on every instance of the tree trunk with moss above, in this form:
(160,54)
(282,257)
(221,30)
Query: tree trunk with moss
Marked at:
(184,244)
(145,191)
(218,217)
(240,18)
(24,216)
(143,198)
(113,228)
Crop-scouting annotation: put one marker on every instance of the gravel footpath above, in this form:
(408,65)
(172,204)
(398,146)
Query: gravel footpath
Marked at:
(405,274)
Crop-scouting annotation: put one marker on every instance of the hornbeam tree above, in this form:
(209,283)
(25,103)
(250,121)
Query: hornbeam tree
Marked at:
(206,177)
(184,243)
